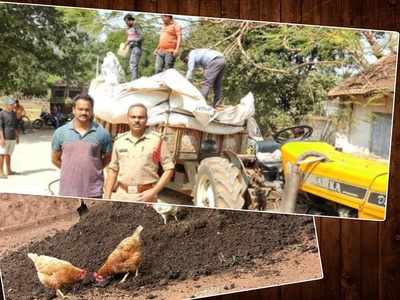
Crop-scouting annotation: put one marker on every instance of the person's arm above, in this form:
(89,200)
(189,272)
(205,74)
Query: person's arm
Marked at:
(2,139)
(112,174)
(56,158)
(17,135)
(178,39)
(16,129)
(191,65)
(156,50)
(168,165)
(152,194)
(138,36)
(56,147)
(105,159)
(106,149)
(127,35)
(110,182)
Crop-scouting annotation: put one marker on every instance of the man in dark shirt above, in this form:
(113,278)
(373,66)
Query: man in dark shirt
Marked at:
(81,149)
(8,136)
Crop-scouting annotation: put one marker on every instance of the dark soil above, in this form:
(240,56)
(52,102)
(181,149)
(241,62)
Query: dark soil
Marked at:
(203,242)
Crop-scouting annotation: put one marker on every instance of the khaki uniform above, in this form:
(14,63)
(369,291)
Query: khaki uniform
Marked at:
(137,161)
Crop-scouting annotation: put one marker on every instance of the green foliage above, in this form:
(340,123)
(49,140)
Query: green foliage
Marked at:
(27,35)
(38,43)
(289,69)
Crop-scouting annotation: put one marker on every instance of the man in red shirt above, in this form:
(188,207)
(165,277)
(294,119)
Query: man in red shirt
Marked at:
(168,46)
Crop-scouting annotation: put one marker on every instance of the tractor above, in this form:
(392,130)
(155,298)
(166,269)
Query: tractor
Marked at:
(285,173)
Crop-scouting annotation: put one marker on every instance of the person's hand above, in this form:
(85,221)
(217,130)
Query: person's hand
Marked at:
(17,140)
(148,196)
(175,53)
(2,143)
(155,52)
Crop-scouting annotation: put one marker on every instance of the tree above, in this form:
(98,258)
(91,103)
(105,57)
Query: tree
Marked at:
(288,68)
(28,35)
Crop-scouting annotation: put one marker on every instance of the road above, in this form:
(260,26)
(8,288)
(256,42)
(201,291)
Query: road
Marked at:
(32,160)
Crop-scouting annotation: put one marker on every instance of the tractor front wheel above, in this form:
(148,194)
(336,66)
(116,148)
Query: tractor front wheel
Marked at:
(219,184)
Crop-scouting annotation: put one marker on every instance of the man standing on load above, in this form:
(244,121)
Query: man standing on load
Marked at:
(213,63)
(134,39)
(135,161)
(169,44)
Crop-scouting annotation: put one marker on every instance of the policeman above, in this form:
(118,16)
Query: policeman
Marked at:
(135,160)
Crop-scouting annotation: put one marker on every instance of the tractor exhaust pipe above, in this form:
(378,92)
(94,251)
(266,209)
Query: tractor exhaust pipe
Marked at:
(291,188)
(294,178)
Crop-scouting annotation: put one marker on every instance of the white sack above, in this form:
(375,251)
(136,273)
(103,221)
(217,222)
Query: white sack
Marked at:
(113,100)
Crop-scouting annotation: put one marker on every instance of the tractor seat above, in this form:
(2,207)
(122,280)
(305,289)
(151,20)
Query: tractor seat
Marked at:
(267,146)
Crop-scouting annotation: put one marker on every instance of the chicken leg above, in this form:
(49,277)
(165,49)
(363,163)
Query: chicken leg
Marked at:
(60,293)
(123,279)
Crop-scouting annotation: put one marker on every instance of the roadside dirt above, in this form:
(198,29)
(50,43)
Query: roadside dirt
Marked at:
(206,252)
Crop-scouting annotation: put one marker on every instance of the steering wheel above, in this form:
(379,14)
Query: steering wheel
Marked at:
(295,133)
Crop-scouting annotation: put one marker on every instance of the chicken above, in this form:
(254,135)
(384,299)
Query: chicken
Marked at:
(125,258)
(55,273)
(165,210)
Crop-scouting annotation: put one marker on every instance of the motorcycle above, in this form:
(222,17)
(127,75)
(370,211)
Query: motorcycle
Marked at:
(48,119)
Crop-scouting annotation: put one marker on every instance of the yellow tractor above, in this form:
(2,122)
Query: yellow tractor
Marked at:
(352,186)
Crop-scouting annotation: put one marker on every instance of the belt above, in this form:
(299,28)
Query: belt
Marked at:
(135,189)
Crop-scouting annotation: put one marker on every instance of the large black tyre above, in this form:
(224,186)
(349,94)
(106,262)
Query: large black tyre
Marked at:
(219,184)
(37,124)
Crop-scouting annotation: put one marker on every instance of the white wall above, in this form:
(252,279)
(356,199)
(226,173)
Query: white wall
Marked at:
(361,125)
(360,129)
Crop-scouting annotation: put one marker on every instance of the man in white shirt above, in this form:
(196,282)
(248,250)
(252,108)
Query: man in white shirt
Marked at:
(213,63)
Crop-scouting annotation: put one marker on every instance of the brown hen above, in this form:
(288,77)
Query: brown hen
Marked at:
(125,258)
(55,273)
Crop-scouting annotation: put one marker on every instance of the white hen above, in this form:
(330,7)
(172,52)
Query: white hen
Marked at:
(166,209)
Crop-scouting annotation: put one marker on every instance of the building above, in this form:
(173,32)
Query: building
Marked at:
(363,104)
(61,93)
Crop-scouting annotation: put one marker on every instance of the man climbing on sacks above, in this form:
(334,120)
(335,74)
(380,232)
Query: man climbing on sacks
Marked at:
(135,161)
(213,63)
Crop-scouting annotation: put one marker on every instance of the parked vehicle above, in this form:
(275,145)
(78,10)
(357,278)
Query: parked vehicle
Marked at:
(47,119)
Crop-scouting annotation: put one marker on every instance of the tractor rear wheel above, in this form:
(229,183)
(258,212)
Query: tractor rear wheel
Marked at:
(219,184)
